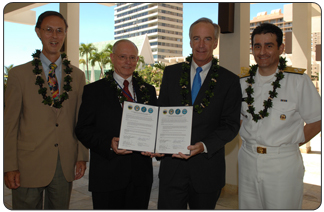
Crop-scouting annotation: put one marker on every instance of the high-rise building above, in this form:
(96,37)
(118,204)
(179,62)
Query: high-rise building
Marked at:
(162,22)
(285,22)
(277,18)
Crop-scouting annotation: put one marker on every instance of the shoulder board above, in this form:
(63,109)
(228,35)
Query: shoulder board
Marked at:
(293,70)
(245,72)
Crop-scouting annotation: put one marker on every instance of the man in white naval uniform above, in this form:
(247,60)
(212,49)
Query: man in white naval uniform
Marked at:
(271,168)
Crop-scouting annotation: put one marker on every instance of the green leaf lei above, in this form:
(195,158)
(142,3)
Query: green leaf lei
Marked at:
(273,94)
(184,81)
(119,92)
(48,100)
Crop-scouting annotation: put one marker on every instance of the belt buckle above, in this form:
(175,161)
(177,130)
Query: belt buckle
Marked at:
(262,150)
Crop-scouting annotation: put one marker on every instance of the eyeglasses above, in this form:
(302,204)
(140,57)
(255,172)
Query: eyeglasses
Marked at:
(124,58)
(50,31)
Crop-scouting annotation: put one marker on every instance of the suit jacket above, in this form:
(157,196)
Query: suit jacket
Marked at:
(34,133)
(99,121)
(217,125)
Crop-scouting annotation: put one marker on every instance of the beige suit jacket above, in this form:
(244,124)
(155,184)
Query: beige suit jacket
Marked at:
(35,133)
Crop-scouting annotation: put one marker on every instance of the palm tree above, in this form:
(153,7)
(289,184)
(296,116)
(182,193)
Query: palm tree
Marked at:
(87,50)
(102,58)
(109,50)
(6,72)
(5,79)
(82,61)
(140,62)
(160,66)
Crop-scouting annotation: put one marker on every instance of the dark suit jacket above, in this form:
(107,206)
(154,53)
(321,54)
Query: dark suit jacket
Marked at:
(99,121)
(217,125)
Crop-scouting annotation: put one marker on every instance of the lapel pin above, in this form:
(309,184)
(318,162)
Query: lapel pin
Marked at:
(283,117)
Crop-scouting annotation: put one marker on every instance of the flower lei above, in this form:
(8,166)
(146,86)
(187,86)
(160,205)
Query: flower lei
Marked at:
(184,81)
(273,94)
(119,91)
(48,100)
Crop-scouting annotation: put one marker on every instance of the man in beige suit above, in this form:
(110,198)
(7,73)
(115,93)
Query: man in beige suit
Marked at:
(41,151)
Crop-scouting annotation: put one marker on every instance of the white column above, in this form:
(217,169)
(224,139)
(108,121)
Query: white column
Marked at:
(234,53)
(301,39)
(70,12)
(92,77)
(301,43)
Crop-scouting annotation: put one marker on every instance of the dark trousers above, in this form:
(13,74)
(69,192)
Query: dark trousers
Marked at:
(57,194)
(179,193)
(131,197)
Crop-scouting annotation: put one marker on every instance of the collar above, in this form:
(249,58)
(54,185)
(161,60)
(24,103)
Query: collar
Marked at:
(265,79)
(120,80)
(205,67)
(46,62)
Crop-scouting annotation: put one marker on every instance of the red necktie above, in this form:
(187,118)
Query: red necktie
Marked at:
(126,92)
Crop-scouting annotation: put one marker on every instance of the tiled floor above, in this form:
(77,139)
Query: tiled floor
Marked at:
(81,197)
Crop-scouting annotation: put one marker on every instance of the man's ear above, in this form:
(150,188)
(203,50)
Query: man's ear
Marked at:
(215,45)
(38,32)
(112,55)
(281,48)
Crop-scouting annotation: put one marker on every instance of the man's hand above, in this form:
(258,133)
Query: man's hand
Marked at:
(114,146)
(12,179)
(195,149)
(157,155)
(152,155)
(148,154)
(80,168)
(310,130)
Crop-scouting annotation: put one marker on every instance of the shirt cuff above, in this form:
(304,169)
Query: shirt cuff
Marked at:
(205,148)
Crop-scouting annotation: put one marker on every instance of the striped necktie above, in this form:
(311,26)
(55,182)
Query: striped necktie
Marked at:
(52,81)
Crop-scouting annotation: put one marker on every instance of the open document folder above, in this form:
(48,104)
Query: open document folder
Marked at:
(147,128)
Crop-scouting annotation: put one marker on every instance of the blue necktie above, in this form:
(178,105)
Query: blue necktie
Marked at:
(196,85)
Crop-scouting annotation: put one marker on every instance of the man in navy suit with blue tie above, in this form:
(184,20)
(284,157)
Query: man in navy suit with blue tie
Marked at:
(197,179)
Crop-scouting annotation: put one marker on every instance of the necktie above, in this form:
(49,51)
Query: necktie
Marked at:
(52,81)
(126,92)
(196,85)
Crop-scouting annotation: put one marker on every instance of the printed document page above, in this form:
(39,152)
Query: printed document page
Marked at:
(138,129)
(148,128)
(174,130)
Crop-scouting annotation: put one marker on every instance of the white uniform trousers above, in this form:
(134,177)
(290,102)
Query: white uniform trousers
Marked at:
(270,181)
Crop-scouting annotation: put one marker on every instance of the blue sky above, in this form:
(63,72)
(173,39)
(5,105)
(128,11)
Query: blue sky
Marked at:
(97,24)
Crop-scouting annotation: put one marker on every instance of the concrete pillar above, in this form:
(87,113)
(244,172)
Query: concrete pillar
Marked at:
(234,53)
(301,39)
(301,43)
(70,12)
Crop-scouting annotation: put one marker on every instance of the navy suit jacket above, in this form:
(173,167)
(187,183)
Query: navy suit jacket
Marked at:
(99,121)
(217,125)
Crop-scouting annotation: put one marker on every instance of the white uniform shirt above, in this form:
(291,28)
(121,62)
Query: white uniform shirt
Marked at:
(297,102)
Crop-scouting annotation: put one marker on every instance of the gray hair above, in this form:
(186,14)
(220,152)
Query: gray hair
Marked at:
(120,41)
(206,20)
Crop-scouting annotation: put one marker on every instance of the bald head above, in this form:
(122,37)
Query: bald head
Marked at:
(115,46)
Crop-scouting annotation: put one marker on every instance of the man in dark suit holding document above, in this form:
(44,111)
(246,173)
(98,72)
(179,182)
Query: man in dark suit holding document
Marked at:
(118,178)
(197,179)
